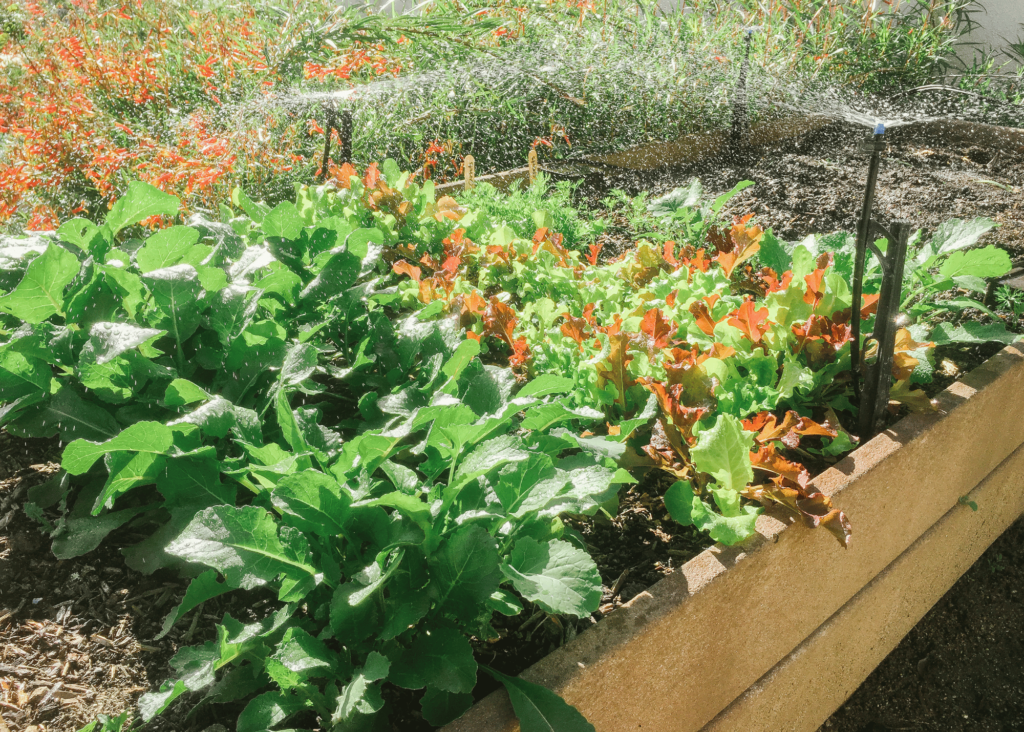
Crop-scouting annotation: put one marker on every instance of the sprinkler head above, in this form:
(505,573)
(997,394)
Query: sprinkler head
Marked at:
(880,128)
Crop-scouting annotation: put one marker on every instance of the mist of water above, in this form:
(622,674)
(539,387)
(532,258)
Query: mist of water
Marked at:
(603,93)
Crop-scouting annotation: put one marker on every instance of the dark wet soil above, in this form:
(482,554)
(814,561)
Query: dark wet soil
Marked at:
(815,185)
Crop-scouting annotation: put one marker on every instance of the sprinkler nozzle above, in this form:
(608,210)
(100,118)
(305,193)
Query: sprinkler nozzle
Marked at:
(880,128)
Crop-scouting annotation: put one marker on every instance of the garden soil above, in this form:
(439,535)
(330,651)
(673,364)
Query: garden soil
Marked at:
(815,184)
(76,636)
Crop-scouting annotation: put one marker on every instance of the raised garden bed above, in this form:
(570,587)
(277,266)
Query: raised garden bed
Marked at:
(654,624)
(693,650)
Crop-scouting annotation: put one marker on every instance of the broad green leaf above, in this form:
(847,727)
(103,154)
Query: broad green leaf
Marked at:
(255,211)
(289,425)
(724,452)
(804,262)
(140,202)
(182,391)
(441,707)
(80,535)
(84,234)
(440,658)
(544,416)
(21,374)
(155,703)
(166,248)
(281,281)
(218,416)
(202,588)
(211,279)
(40,294)
(402,477)
(464,354)
(408,600)
(252,260)
(723,199)
(238,683)
(505,602)
(794,376)
(283,221)
(959,304)
(127,286)
(582,489)
(193,481)
(338,274)
(323,442)
(773,254)
(360,242)
(151,437)
(555,575)
(128,470)
(517,480)
(270,709)
(628,426)
(546,384)
(232,310)
(313,502)
(244,545)
(67,413)
(48,493)
(689,510)
(300,656)
(466,571)
(971,332)
(487,456)
(107,341)
(959,234)
(539,709)
(353,610)
(678,198)
(989,261)
(361,696)
(176,291)
(411,506)
(300,361)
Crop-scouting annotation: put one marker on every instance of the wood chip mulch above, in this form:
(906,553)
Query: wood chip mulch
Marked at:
(73,634)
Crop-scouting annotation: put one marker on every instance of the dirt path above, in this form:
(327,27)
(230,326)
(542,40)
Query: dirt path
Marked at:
(961,669)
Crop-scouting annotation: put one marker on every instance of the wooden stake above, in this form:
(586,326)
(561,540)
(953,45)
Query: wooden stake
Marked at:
(531,162)
(469,170)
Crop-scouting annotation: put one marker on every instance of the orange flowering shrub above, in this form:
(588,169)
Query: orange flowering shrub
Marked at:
(157,91)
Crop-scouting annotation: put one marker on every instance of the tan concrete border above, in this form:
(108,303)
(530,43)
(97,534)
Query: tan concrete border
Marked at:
(683,651)
(840,654)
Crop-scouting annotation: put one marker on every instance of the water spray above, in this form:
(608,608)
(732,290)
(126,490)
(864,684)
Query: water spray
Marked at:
(871,382)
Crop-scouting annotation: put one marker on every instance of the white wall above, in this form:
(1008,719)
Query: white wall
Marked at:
(1002,22)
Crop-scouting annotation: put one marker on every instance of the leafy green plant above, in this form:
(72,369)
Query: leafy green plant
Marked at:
(302,435)
(539,204)
(379,405)
(1010,299)
(948,262)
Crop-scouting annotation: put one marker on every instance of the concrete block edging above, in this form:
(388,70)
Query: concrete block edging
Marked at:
(729,631)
